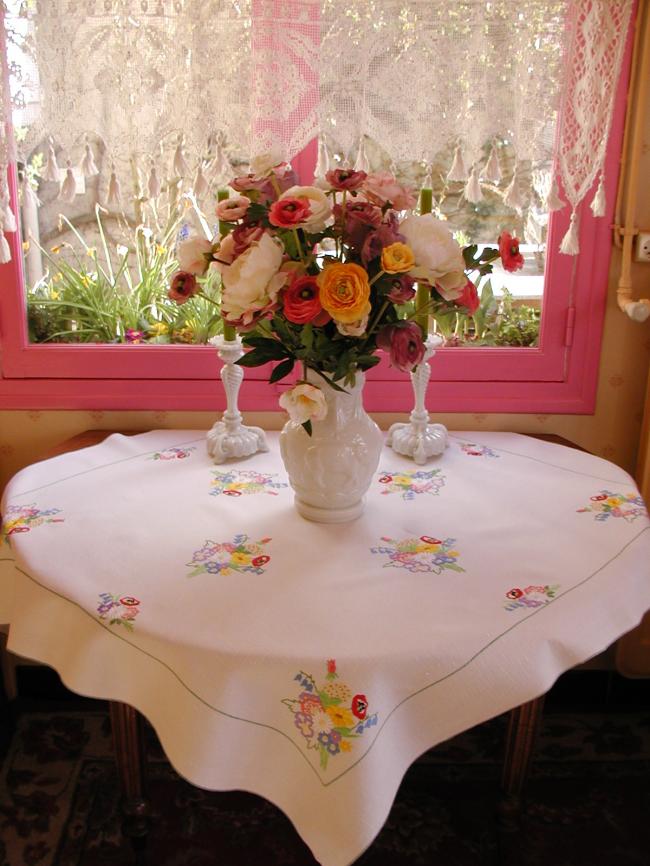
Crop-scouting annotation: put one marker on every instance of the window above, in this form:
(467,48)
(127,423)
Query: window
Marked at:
(557,375)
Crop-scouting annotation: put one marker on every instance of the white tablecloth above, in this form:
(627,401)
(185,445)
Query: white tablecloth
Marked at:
(312,664)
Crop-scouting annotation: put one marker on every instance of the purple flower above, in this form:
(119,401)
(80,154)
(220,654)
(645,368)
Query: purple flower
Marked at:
(404,342)
(385,234)
(403,289)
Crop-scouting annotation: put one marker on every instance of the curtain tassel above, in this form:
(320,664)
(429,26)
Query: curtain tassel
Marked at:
(472,192)
(201,186)
(9,219)
(323,160)
(362,162)
(458,171)
(5,249)
(598,204)
(52,171)
(570,245)
(69,186)
(181,168)
(492,170)
(553,200)
(512,197)
(153,184)
(88,166)
(114,191)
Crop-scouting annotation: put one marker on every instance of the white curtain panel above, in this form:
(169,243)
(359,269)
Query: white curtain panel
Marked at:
(187,88)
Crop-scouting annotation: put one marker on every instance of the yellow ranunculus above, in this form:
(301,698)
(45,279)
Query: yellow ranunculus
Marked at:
(344,292)
(397,258)
(158,329)
(341,718)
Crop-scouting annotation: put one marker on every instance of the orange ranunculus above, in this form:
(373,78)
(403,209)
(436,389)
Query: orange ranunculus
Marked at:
(344,292)
(397,258)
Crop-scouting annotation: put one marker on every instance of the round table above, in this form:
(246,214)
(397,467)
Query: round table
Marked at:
(312,664)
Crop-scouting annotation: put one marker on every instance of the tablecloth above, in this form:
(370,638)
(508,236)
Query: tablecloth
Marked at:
(309,663)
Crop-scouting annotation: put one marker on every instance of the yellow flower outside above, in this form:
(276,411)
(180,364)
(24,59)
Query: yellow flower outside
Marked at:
(54,295)
(397,258)
(26,246)
(340,717)
(158,329)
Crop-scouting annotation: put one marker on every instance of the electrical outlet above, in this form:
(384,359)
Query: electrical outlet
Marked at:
(643,247)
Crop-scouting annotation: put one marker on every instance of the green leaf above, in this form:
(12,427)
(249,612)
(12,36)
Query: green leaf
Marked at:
(307,336)
(271,351)
(281,370)
(307,427)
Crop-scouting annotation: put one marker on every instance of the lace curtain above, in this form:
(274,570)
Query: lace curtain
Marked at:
(148,92)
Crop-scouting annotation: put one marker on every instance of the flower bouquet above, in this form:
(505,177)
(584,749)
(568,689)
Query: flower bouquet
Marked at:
(328,277)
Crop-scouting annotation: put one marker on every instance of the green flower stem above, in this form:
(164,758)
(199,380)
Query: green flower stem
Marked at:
(298,245)
(376,277)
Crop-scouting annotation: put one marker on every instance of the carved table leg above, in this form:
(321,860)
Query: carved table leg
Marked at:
(129,746)
(523,727)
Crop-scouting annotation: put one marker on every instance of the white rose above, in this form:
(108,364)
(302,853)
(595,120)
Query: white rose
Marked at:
(438,257)
(304,403)
(264,163)
(194,255)
(353,329)
(319,204)
(252,281)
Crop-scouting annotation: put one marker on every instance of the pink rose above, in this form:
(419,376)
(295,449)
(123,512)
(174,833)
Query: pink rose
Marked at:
(287,213)
(345,178)
(404,342)
(381,187)
(242,237)
(402,290)
(231,209)
(469,297)
(183,287)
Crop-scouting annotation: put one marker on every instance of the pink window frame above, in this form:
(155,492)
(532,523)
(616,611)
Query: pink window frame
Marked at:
(560,376)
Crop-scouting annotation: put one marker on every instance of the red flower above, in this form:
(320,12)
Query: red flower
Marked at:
(232,492)
(385,479)
(511,259)
(359,706)
(404,342)
(287,213)
(183,287)
(598,498)
(345,178)
(428,540)
(261,560)
(402,290)
(129,601)
(469,298)
(514,593)
(301,302)
(331,667)
(243,236)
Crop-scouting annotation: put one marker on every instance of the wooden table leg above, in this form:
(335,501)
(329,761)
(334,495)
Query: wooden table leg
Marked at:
(523,727)
(130,754)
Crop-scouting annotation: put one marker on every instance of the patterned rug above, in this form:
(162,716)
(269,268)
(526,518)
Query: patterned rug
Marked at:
(588,802)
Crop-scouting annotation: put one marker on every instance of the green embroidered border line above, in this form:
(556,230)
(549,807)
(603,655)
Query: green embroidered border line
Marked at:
(99,466)
(545,462)
(405,700)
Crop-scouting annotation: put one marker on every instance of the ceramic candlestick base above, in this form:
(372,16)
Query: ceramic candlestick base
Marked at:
(229,437)
(419,439)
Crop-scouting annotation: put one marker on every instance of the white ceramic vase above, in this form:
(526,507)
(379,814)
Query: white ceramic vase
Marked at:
(331,470)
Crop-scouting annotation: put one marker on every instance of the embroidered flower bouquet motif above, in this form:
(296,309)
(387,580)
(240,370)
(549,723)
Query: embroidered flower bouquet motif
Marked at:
(477,450)
(118,610)
(22,518)
(173,453)
(412,484)
(238,555)
(238,482)
(605,504)
(423,554)
(330,717)
(531,596)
